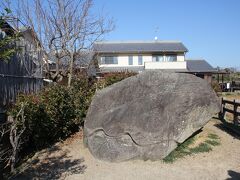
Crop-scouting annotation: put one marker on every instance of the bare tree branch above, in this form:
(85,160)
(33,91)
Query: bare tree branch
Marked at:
(14,128)
(65,28)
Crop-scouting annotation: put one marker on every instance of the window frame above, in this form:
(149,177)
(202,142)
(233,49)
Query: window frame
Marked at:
(156,58)
(140,60)
(130,59)
(170,55)
(114,60)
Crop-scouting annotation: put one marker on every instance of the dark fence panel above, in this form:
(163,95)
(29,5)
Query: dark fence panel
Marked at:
(19,65)
(233,110)
(10,87)
(21,74)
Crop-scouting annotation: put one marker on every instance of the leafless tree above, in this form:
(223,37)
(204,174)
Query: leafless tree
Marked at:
(64,27)
(15,135)
(15,127)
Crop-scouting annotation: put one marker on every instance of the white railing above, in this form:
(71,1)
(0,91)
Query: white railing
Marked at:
(166,65)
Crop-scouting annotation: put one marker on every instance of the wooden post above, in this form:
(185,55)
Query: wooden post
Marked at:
(220,114)
(235,115)
(223,110)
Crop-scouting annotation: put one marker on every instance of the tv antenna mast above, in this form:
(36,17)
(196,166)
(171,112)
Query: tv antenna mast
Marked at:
(156,32)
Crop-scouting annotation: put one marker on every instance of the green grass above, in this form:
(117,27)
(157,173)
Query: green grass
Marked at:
(202,147)
(212,142)
(183,149)
(213,136)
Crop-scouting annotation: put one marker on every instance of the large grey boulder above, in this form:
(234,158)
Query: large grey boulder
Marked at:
(147,115)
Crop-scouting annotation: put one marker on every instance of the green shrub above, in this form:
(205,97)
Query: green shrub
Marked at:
(114,77)
(48,115)
(82,91)
(55,112)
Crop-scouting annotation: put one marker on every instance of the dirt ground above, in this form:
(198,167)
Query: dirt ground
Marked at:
(71,160)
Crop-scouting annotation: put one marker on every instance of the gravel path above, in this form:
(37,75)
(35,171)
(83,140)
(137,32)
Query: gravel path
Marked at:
(70,160)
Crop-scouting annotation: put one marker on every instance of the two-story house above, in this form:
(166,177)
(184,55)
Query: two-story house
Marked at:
(148,55)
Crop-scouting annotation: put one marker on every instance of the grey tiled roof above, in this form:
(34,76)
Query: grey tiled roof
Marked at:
(139,47)
(199,66)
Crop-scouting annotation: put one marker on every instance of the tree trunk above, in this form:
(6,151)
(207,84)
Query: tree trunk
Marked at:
(70,70)
(14,143)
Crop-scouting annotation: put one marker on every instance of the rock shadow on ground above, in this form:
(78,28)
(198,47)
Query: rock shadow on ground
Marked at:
(233,175)
(54,164)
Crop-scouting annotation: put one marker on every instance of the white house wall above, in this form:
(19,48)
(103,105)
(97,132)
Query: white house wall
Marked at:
(123,60)
(180,57)
(166,65)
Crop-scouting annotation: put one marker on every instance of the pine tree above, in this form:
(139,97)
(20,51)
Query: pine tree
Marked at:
(8,37)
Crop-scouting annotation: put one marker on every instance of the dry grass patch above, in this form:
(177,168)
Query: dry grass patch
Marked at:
(230,95)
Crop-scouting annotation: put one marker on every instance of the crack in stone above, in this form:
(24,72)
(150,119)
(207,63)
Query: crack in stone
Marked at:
(128,134)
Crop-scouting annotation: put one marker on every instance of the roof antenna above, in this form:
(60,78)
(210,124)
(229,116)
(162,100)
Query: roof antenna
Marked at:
(156,32)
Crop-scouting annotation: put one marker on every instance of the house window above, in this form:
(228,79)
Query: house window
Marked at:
(166,58)
(154,58)
(171,58)
(130,60)
(140,60)
(109,60)
(157,58)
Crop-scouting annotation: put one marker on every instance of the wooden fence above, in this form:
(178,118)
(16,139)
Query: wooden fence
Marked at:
(11,86)
(234,110)
(21,74)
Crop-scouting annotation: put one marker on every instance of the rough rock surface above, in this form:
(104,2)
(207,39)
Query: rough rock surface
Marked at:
(147,115)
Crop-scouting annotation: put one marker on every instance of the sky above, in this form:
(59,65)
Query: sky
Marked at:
(210,29)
